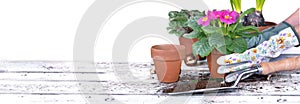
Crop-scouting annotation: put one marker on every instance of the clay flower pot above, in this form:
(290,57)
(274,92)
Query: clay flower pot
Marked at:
(190,59)
(213,65)
(268,24)
(167,60)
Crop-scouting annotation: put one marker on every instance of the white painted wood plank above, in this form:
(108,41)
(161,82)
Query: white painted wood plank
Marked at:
(58,66)
(58,82)
(143,87)
(67,87)
(77,67)
(143,99)
(58,77)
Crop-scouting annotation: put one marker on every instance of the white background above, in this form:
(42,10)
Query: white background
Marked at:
(45,29)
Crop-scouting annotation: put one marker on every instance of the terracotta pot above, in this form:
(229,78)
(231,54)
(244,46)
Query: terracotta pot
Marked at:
(167,61)
(213,65)
(268,24)
(190,59)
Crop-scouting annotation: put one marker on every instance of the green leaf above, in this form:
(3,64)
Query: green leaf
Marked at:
(236,4)
(248,11)
(216,40)
(173,14)
(247,29)
(202,35)
(202,47)
(231,4)
(191,35)
(248,35)
(196,14)
(229,48)
(211,29)
(222,49)
(233,27)
(228,41)
(259,4)
(230,27)
(238,45)
(228,51)
(176,30)
(192,22)
(172,32)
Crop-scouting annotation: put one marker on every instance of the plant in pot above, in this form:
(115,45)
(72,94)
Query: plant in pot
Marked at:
(180,25)
(255,18)
(223,33)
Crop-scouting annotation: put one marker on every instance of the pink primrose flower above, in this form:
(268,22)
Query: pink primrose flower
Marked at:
(229,17)
(204,21)
(217,14)
(211,15)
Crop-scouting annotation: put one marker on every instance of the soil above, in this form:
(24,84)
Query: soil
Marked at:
(200,84)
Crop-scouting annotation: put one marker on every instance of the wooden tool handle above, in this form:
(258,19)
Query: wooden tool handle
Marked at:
(285,64)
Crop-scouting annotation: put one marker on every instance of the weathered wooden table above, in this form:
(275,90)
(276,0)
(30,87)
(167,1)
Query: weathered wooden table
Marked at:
(112,82)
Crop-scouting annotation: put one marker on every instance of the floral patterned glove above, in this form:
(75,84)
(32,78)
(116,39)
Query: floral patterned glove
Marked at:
(266,34)
(272,48)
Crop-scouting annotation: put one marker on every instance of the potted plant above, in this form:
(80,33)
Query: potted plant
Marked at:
(167,59)
(255,18)
(223,33)
(180,25)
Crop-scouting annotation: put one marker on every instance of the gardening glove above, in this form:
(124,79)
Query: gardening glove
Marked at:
(272,48)
(266,34)
(265,68)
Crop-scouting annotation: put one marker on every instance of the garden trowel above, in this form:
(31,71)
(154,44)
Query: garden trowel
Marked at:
(264,68)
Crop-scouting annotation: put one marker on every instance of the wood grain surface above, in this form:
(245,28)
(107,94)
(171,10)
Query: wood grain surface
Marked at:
(62,82)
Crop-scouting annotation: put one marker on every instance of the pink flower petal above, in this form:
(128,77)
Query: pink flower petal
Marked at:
(204,21)
(229,17)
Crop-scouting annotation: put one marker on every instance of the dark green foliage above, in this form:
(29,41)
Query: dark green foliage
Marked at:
(182,22)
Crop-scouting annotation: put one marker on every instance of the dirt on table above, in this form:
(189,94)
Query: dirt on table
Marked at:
(189,82)
(200,84)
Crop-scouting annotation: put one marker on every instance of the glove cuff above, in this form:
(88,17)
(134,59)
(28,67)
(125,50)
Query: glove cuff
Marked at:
(266,34)
(294,30)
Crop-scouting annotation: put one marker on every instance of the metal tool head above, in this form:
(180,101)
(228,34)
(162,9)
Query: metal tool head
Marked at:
(203,90)
(232,77)
(243,74)
(235,77)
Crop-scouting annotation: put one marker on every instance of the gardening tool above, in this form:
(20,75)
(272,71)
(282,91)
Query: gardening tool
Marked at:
(264,68)
(238,77)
